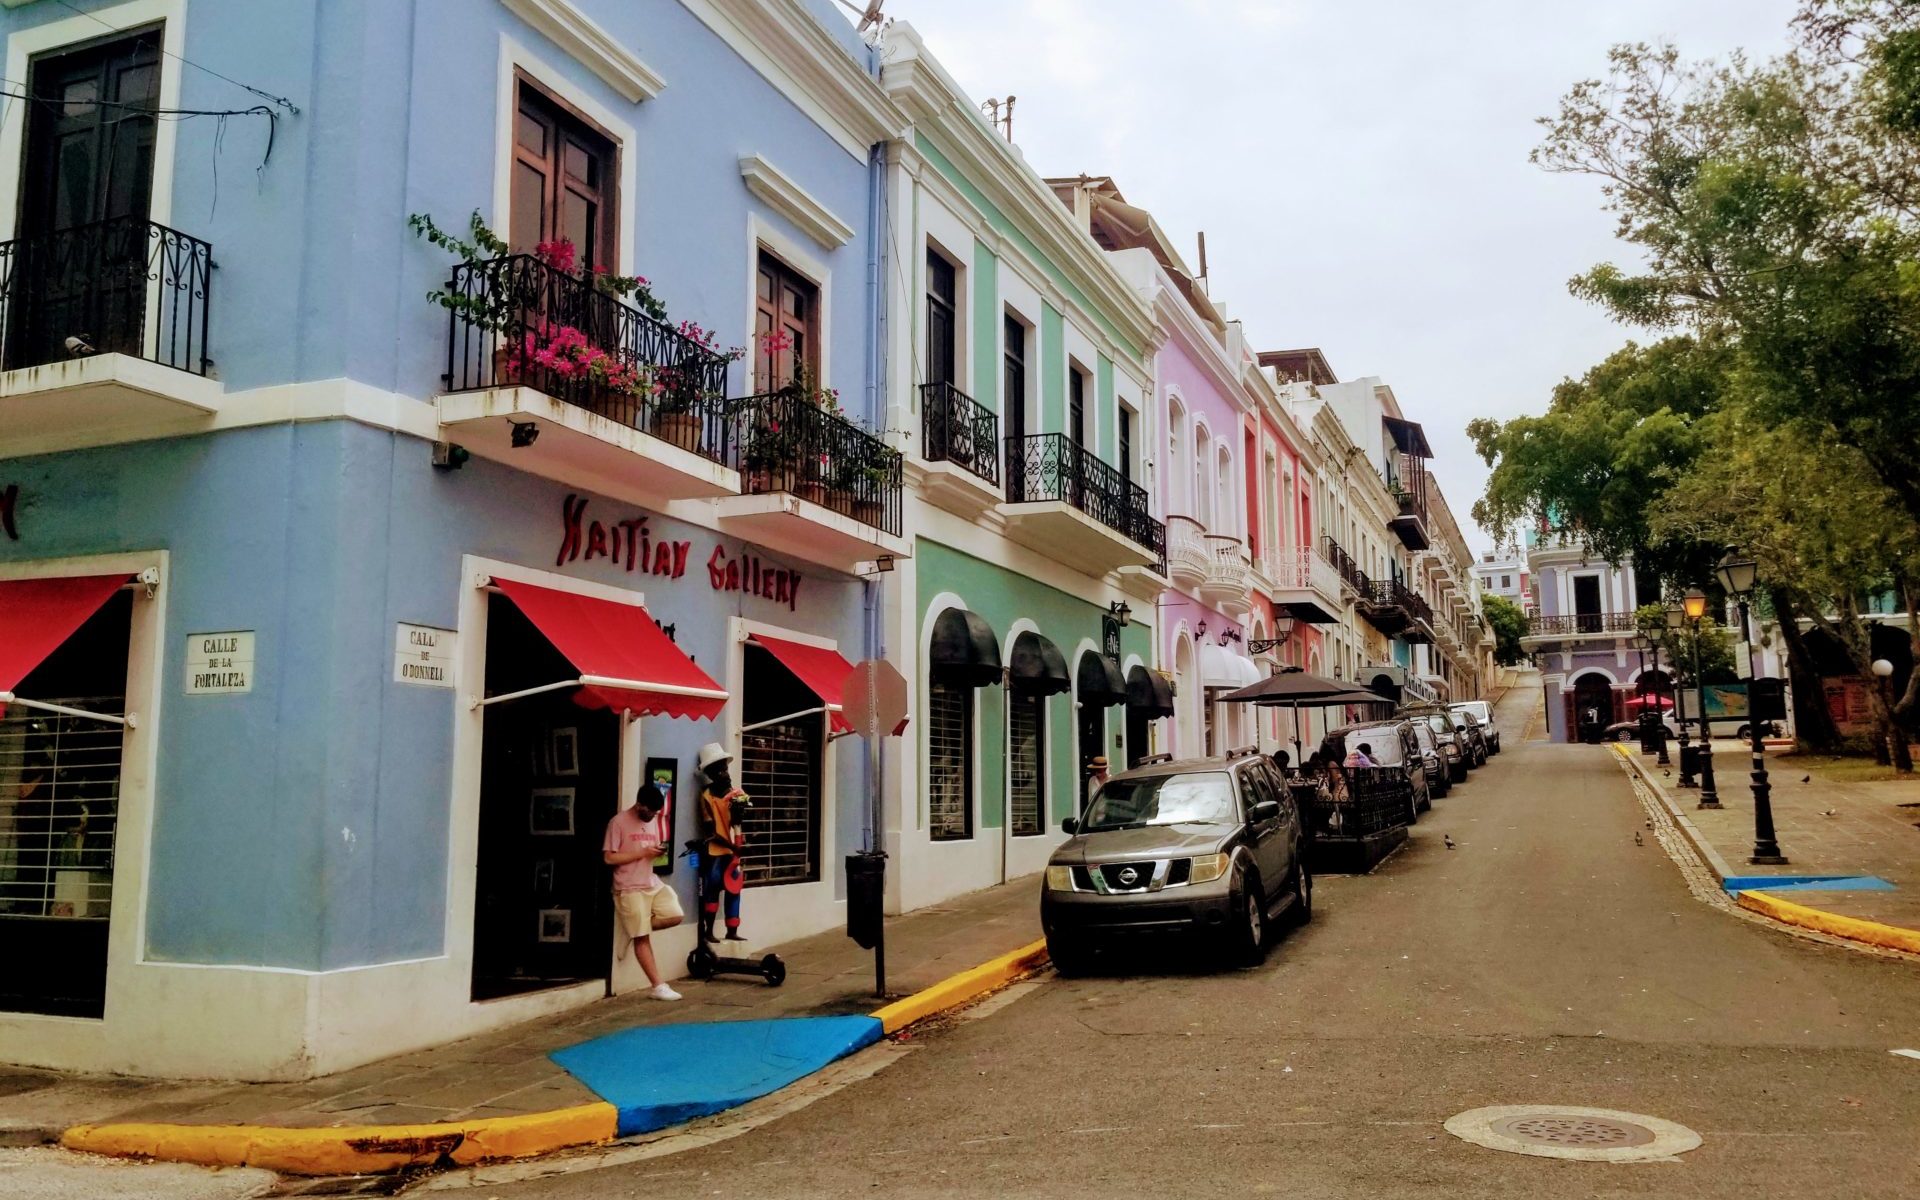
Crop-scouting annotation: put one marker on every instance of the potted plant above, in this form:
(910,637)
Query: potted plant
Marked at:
(862,474)
(680,398)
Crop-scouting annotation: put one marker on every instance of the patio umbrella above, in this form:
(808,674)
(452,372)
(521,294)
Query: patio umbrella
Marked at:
(1295,688)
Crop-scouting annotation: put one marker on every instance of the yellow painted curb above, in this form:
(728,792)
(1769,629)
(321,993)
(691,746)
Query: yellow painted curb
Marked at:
(351,1149)
(1873,933)
(958,989)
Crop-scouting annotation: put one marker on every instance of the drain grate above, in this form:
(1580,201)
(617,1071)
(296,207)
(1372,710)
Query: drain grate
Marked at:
(1573,1131)
(1584,1134)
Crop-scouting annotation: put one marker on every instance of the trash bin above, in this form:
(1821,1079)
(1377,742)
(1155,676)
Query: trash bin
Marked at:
(1651,732)
(866,896)
(1690,760)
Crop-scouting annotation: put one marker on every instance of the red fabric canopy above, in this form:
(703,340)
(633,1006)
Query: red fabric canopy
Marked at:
(823,670)
(625,661)
(36,615)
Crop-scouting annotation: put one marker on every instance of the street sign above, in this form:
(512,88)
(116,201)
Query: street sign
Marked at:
(874,701)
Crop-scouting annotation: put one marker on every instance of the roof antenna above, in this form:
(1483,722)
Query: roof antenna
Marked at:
(1203,255)
(999,114)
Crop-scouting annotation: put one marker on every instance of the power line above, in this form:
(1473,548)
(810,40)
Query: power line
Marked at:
(282,101)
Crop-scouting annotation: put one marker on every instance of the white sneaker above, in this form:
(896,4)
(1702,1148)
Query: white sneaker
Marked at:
(663,992)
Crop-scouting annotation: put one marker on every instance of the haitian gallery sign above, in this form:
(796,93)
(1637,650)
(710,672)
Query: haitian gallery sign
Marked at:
(630,545)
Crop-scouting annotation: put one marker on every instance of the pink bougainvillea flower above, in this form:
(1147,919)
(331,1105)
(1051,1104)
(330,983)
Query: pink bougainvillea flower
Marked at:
(557,254)
(776,341)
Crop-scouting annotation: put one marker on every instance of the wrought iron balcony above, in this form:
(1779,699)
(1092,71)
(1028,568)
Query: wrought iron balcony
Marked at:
(1583,623)
(123,286)
(790,444)
(517,321)
(1351,576)
(1045,467)
(1407,477)
(1394,609)
(955,428)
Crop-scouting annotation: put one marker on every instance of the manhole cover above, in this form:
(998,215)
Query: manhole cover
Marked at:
(1583,1134)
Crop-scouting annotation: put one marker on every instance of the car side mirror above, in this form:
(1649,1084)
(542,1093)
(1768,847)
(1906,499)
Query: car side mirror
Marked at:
(1070,825)
(1263,811)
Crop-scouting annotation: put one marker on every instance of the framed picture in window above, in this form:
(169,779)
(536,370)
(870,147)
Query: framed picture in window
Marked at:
(550,812)
(664,776)
(556,924)
(566,751)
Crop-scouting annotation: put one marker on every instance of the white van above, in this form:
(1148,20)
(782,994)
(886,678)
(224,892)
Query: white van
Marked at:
(1483,713)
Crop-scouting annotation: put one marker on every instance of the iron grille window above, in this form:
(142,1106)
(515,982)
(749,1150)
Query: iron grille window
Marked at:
(1027,763)
(949,761)
(59,806)
(780,772)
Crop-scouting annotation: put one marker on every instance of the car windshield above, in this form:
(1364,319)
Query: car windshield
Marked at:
(1197,798)
(1478,708)
(1462,720)
(1383,742)
(1440,725)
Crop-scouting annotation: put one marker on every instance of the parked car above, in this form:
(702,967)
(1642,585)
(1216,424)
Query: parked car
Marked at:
(1454,746)
(1395,751)
(1629,731)
(1482,712)
(1198,848)
(1439,776)
(1469,724)
(1768,729)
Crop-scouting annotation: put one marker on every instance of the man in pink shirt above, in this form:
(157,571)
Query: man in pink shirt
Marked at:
(635,837)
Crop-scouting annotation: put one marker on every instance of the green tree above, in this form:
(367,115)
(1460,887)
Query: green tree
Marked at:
(1509,626)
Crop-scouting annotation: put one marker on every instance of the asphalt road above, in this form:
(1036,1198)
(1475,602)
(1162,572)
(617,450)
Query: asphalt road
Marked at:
(1547,960)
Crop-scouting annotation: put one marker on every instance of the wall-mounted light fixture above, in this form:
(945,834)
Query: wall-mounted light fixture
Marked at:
(1121,613)
(525,433)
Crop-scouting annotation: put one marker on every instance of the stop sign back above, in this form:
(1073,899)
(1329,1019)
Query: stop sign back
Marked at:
(874,701)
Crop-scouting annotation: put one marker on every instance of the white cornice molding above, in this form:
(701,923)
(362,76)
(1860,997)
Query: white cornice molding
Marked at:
(563,24)
(935,104)
(782,41)
(794,202)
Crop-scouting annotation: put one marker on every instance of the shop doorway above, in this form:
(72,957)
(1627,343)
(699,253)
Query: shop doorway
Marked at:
(549,783)
(59,813)
(1592,706)
(782,745)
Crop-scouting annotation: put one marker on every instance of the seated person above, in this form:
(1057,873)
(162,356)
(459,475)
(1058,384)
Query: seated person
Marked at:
(1361,756)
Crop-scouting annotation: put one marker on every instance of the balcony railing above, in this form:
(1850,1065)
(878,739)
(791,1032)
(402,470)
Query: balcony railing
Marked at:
(1187,549)
(790,444)
(1343,565)
(1227,566)
(955,428)
(123,286)
(1050,467)
(518,321)
(1584,623)
(1303,570)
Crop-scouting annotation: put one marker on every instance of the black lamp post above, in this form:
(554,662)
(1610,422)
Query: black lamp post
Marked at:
(1655,634)
(1676,624)
(1737,575)
(1694,604)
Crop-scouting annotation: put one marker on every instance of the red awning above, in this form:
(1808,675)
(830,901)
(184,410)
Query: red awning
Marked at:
(625,661)
(823,670)
(36,615)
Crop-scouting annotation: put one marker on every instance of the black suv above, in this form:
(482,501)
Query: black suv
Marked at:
(1202,847)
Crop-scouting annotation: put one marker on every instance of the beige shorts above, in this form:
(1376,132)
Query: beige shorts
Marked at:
(641,911)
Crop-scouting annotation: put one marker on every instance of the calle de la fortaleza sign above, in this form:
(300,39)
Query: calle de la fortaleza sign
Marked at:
(220,663)
(630,545)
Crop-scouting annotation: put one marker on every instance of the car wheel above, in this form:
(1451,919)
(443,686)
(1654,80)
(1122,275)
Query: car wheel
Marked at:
(1248,939)
(1743,732)
(1302,894)
(1069,958)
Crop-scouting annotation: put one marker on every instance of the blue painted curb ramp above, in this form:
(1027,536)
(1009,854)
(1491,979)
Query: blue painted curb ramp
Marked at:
(661,1075)
(1806,883)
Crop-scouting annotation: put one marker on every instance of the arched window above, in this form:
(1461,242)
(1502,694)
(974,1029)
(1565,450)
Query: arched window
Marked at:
(1202,487)
(1223,491)
(1176,451)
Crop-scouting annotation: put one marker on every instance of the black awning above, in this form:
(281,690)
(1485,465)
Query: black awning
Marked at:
(964,649)
(1101,683)
(1149,692)
(1408,437)
(1037,667)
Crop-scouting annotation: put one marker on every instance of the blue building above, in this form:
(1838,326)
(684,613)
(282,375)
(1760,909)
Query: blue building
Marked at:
(320,598)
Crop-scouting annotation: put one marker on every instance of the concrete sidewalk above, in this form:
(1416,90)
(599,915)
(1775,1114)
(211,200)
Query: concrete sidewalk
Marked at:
(1825,827)
(507,1073)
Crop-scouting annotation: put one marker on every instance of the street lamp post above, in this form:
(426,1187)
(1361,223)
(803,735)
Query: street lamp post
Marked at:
(1694,604)
(1656,633)
(1737,576)
(1676,622)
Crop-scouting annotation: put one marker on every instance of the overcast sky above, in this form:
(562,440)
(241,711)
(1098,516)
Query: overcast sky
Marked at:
(1359,168)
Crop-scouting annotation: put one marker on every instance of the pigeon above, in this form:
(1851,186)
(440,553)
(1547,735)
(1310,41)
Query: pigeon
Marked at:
(1448,839)
(79,347)
(1649,822)
(1806,779)
(1666,773)
(1636,838)
(1829,812)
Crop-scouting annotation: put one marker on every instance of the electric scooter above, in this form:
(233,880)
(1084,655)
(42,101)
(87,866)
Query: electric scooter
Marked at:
(703,962)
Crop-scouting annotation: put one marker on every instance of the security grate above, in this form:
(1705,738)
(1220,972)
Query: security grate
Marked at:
(779,771)
(1026,763)
(949,762)
(59,806)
